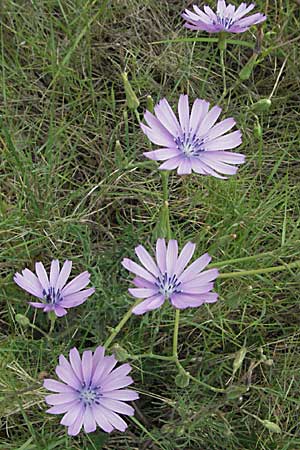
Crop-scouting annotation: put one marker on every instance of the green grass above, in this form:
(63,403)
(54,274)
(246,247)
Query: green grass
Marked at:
(65,194)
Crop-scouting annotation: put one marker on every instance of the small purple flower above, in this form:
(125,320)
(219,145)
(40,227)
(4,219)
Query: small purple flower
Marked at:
(54,294)
(227,18)
(167,279)
(194,142)
(91,393)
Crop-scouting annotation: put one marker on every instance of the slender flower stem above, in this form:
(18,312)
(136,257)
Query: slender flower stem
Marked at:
(120,325)
(223,73)
(175,335)
(226,262)
(165,217)
(260,271)
(153,356)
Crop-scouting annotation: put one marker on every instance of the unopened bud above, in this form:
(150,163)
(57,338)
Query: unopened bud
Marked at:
(182,380)
(132,100)
(271,426)
(239,358)
(150,104)
(120,158)
(22,320)
(257,130)
(120,353)
(262,105)
(246,71)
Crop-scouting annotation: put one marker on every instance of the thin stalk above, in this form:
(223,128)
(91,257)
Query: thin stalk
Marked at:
(242,259)
(120,325)
(166,215)
(153,356)
(260,271)
(175,335)
(223,73)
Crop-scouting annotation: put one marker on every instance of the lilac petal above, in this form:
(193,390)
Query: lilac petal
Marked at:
(220,129)
(209,120)
(137,270)
(251,20)
(172,163)
(60,409)
(221,7)
(143,293)
(34,281)
(184,257)
(72,414)
(54,272)
(59,311)
(199,110)
(64,275)
(149,305)
(61,399)
(185,167)
(197,166)
(142,283)
(207,170)
(122,394)
(49,307)
(76,426)
(182,300)
(27,286)
(37,305)
(157,137)
(101,418)
(162,154)
(228,157)
(68,376)
(75,362)
(146,260)
(79,282)
(157,131)
(103,369)
(42,275)
(166,116)
(231,140)
(115,420)
(196,288)
(195,268)
(209,12)
(98,358)
(172,254)
(219,166)
(206,276)
(69,301)
(117,406)
(184,113)
(178,302)
(203,16)
(56,386)
(161,253)
(89,421)
(109,385)
(242,10)
(121,371)
(87,365)
(210,297)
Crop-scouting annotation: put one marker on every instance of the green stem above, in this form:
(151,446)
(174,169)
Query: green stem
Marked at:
(175,335)
(153,356)
(166,216)
(260,271)
(120,325)
(223,74)
(242,259)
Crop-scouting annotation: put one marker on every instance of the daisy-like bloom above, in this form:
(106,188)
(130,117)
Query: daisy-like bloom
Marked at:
(91,393)
(167,278)
(194,142)
(53,293)
(227,18)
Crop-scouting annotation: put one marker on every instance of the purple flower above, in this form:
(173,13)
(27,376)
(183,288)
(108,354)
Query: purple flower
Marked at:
(91,393)
(54,294)
(167,279)
(195,142)
(227,18)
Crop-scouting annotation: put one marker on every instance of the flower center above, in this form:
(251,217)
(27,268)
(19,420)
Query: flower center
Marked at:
(52,296)
(226,22)
(89,395)
(168,285)
(189,144)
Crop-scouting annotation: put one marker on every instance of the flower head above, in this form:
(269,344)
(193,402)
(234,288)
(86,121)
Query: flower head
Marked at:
(227,18)
(194,142)
(54,294)
(168,279)
(91,393)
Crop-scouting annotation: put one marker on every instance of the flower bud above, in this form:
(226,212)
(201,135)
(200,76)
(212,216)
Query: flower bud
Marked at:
(120,158)
(182,379)
(150,104)
(246,71)
(271,426)
(257,130)
(262,105)
(22,320)
(239,358)
(132,100)
(120,353)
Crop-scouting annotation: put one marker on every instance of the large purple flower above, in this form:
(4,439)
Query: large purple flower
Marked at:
(91,393)
(167,279)
(194,142)
(227,18)
(53,293)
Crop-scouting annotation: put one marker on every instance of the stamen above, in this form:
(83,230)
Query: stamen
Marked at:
(89,395)
(168,285)
(189,144)
(52,296)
